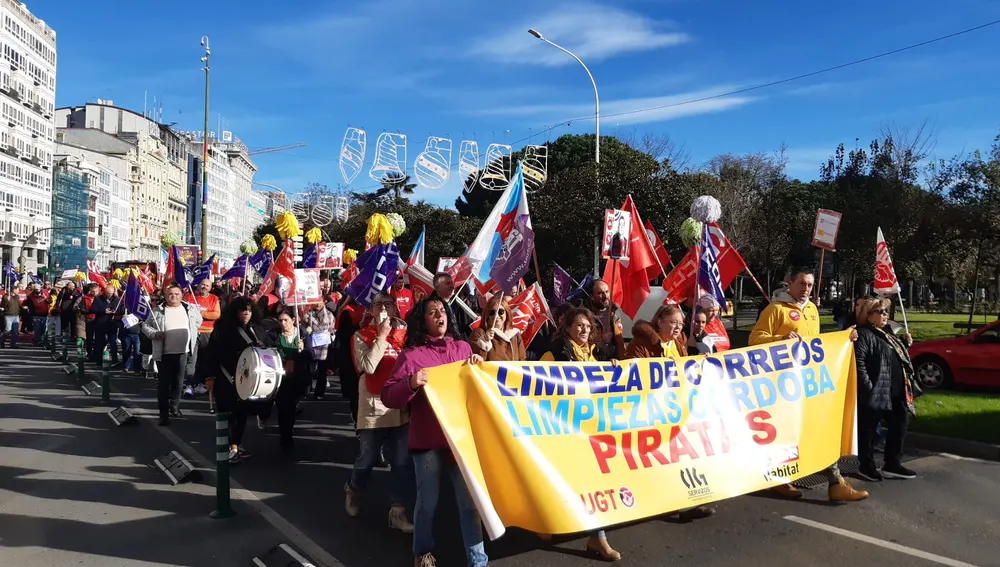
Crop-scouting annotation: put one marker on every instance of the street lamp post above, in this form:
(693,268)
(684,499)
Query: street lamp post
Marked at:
(204,154)
(597,98)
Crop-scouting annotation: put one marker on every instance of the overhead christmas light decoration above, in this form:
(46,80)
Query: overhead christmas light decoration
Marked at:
(433,166)
(496,174)
(390,158)
(535,167)
(352,153)
(468,164)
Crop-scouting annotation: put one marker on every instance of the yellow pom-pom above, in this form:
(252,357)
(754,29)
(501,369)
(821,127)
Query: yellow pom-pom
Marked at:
(350,255)
(314,235)
(117,274)
(379,230)
(81,276)
(115,284)
(287,225)
(268,243)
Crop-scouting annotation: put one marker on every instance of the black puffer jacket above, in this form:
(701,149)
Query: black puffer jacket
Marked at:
(876,364)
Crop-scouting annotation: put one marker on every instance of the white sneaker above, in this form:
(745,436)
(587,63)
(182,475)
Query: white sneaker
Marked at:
(200,390)
(188,392)
(261,423)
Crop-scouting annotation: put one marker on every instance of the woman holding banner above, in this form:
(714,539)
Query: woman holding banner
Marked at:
(380,429)
(663,337)
(496,339)
(885,389)
(428,344)
(574,342)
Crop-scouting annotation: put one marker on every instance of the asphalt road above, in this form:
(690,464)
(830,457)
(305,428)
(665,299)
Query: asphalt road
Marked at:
(947,516)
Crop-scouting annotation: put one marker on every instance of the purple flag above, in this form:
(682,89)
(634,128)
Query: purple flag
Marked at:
(203,272)
(181,275)
(514,259)
(261,262)
(239,269)
(709,280)
(309,256)
(377,268)
(135,299)
(561,282)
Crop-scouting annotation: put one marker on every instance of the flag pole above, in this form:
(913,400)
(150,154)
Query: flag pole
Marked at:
(903,310)
(819,280)
(538,273)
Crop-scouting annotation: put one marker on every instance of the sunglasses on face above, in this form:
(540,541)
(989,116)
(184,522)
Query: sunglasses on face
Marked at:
(497,312)
(879,311)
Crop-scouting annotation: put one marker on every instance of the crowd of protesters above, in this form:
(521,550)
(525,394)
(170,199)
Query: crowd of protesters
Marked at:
(192,342)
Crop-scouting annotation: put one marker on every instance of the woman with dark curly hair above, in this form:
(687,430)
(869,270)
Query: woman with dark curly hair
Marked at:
(429,343)
(235,331)
(574,342)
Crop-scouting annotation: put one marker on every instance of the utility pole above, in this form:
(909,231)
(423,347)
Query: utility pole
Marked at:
(204,155)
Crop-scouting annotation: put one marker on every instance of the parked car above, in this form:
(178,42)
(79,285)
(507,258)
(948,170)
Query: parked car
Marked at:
(971,360)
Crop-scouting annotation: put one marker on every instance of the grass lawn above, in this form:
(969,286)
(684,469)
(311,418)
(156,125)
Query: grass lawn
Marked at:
(923,326)
(957,414)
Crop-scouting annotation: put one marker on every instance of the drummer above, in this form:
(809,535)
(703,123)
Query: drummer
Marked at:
(235,330)
(296,360)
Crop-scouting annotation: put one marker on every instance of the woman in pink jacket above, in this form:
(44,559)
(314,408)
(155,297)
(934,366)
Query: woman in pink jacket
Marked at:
(429,344)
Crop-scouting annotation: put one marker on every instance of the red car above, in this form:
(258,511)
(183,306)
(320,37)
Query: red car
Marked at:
(971,360)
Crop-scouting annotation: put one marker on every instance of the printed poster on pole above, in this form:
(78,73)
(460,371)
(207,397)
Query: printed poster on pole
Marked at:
(826,229)
(306,286)
(617,232)
(329,255)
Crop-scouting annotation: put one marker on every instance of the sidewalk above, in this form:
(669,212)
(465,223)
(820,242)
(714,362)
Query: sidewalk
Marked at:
(76,490)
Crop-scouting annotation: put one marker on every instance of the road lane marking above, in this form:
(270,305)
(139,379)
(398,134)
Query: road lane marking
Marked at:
(301,540)
(881,543)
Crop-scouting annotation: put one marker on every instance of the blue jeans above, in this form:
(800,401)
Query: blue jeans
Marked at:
(394,441)
(38,322)
(429,467)
(130,352)
(11,326)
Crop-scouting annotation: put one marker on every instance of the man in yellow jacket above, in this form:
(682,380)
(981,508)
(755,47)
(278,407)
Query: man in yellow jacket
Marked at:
(791,316)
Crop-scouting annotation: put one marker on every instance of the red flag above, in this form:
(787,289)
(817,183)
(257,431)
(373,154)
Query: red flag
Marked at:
(529,311)
(720,337)
(460,271)
(631,282)
(661,252)
(349,274)
(284,265)
(146,281)
(421,281)
(679,283)
(94,275)
(886,282)
(168,274)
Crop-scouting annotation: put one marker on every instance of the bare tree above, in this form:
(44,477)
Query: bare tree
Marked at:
(661,147)
(909,147)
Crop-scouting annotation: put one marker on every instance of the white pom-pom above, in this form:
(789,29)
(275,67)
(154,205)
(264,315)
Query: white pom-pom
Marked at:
(706,209)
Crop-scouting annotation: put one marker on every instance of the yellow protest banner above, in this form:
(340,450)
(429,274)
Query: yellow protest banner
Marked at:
(571,447)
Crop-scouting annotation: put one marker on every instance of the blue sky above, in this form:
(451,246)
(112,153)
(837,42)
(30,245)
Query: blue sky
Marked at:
(304,70)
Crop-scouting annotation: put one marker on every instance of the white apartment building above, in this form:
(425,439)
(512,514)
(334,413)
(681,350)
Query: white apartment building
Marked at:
(27,98)
(230,183)
(158,176)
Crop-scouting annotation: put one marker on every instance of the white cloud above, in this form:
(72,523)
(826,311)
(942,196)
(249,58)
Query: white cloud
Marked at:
(804,163)
(593,32)
(629,111)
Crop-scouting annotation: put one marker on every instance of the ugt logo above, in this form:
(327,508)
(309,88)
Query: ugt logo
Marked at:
(692,479)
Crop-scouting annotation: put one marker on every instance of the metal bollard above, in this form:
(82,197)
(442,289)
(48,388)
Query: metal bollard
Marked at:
(81,374)
(52,341)
(55,347)
(106,377)
(223,507)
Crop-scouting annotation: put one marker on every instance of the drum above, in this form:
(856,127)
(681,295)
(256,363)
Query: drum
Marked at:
(258,373)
